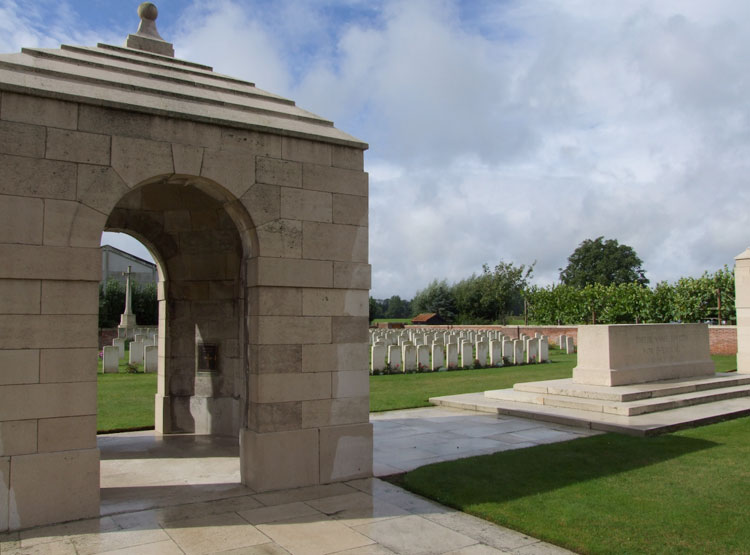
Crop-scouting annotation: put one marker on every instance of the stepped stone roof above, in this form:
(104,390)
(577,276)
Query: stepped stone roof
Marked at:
(144,77)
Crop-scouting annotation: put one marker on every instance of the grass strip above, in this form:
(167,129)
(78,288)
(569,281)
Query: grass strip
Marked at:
(676,493)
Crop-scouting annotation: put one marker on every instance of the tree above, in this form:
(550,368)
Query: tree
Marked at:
(397,308)
(376,310)
(437,297)
(603,262)
(502,289)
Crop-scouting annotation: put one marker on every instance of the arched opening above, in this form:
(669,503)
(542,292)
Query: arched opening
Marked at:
(127,376)
(191,229)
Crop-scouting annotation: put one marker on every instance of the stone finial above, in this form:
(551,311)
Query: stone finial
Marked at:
(148,12)
(745,255)
(147,38)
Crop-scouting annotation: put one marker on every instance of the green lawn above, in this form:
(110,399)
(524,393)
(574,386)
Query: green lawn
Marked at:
(677,493)
(125,400)
(401,391)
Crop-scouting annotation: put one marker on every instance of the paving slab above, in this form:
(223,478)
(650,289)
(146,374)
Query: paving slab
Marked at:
(181,494)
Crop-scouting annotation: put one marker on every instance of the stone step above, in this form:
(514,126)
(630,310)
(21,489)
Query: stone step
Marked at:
(627,408)
(626,393)
(642,425)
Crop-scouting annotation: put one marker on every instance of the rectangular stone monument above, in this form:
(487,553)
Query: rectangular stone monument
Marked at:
(570,346)
(508,351)
(482,352)
(150,358)
(544,349)
(119,342)
(136,353)
(423,358)
(496,353)
(517,351)
(451,355)
(467,354)
(409,356)
(110,359)
(438,357)
(639,353)
(532,351)
(394,359)
(377,358)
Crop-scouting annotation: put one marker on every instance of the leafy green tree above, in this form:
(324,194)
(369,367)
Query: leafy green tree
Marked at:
(502,290)
(661,307)
(436,297)
(468,295)
(376,310)
(145,304)
(603,262)
(397,308)
(111,303)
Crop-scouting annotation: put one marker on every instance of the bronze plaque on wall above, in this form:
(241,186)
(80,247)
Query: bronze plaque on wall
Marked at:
(207,357)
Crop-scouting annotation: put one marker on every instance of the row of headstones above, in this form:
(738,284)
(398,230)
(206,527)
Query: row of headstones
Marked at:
(422,337)
(440,357)
(445,337)
(143,350)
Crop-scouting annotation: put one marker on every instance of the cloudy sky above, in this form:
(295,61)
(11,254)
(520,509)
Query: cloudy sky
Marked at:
(498,130)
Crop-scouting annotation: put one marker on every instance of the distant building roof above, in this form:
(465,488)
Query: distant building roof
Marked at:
(116,261)
(125,254)
(428,318)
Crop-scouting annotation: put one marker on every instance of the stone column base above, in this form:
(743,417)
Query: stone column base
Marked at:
(297,458)
(48,488)
(279,460)
(162,414)
(345,453)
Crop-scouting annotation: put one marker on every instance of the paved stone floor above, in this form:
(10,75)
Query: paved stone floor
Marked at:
(181,494)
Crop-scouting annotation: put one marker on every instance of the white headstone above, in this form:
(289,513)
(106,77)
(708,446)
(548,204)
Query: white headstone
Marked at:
(394,359)
(508,351)
(377,358)
(517,351)
(532,351)
(467,354)
(150,358)
(110,359)
(438,356)
(570,346)
(451,354)
(119,342)
(482,352)
(423,358)
(543,349)
(136,352)
(409,356)
(496,353)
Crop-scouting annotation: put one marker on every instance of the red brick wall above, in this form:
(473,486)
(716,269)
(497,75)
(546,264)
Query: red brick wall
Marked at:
(106,336)
(722,339)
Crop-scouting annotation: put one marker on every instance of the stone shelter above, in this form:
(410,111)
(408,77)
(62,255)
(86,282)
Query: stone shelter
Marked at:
(256,213)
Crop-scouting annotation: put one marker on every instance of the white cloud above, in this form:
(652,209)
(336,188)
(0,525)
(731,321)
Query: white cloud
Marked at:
(503,130)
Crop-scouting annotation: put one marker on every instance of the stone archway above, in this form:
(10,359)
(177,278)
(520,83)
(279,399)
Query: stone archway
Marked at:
(202,303)
(90,138)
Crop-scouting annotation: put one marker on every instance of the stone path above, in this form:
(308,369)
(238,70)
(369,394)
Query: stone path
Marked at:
(181,494)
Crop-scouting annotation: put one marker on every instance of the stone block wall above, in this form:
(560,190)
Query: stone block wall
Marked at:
(261,240)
